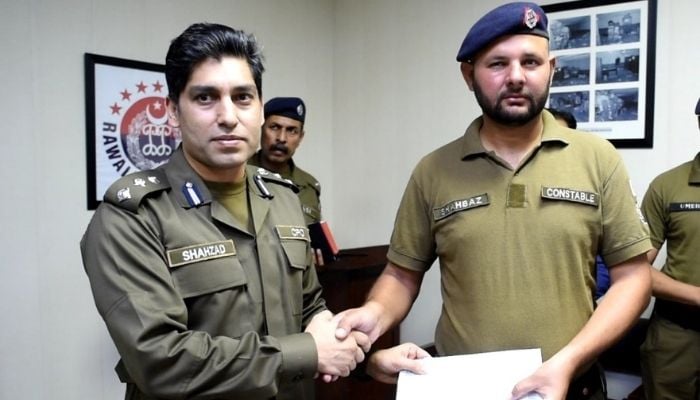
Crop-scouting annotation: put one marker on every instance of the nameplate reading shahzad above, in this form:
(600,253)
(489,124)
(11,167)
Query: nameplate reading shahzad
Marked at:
(482,376)
(200,252)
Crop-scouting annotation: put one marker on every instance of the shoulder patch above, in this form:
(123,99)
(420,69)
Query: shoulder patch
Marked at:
(268,176)
(128,192)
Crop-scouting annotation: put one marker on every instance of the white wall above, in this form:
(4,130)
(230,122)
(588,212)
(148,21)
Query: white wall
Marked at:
(382,89)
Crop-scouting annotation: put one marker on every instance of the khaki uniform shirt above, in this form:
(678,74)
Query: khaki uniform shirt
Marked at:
(671,206)
(670,354)
(517,247)
(197,306)
(309,189)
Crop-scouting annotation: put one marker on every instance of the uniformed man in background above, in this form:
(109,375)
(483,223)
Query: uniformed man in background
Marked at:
(282,133)
(670,354)
(201,269)
(515,210)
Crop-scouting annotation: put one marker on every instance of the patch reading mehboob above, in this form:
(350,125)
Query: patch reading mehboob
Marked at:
(684,206)
(460,205)
(200,252)
(573,195)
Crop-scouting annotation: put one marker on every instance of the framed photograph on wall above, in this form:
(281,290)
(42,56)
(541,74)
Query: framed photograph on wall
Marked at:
(604,74)
(126,121)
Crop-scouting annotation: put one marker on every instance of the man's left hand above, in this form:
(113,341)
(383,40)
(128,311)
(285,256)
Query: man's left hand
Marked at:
(550,381)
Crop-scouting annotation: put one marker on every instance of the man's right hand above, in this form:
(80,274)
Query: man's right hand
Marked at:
(363,319)
(335,357)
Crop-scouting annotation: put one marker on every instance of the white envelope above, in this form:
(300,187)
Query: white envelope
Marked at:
(483,376)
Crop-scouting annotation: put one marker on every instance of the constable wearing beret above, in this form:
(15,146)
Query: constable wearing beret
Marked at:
(670,354)
(515,211)
(201,269)
(282,133)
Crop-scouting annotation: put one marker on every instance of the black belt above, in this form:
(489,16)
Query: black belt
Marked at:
(684,315)
(588,384)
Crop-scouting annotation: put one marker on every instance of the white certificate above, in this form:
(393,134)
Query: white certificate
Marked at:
(483,376)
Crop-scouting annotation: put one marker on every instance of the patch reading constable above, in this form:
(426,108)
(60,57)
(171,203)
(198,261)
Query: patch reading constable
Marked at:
(515,211)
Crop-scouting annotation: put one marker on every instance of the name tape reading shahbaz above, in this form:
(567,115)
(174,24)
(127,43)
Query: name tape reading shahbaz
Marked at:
(132,120)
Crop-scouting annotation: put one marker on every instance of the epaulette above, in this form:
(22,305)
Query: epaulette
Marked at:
(128,192)
(303,178)
(268,176)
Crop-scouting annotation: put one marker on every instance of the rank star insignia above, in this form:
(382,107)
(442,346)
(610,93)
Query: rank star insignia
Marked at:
(154,180)
(262,171)
(531,18)
(123,194)
(139,182)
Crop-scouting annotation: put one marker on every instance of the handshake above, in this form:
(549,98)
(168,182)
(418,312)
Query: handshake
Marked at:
(336,357)
(342,341)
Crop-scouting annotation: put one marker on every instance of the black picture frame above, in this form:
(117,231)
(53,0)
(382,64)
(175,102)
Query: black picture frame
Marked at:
(121,96)
(606,56)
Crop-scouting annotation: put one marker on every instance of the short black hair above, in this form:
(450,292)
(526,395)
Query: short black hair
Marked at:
(202,41)
(566,116)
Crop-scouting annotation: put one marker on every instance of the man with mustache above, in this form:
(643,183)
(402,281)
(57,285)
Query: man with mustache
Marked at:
(282,133)
(515,211)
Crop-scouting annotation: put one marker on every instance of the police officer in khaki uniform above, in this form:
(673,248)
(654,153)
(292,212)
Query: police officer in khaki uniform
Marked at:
(282,133)
(670,354)
(201,269)
(515,210)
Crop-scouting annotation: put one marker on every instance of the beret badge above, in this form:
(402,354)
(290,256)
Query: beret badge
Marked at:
(531,18)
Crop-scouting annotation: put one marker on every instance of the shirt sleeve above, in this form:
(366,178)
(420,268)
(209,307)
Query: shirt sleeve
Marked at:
(654,211)
(625,234)
(412,244)
(312,293)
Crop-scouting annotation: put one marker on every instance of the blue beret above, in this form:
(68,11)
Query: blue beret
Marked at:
(290,107)
(508,19)
(697,108)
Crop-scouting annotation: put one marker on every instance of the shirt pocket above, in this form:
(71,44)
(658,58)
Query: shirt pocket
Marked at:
(296,248)
(202,277)
(295,242)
